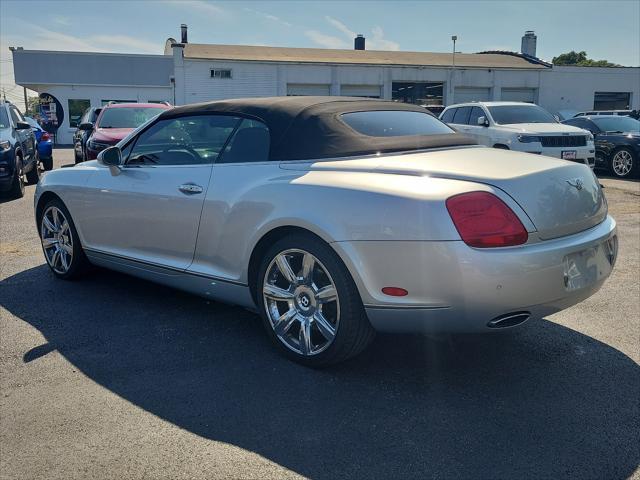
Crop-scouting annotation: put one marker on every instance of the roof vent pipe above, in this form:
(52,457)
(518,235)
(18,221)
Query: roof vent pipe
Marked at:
(183,33)
(358,43)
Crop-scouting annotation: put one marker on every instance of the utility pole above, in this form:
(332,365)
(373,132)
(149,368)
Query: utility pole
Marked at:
(26,105)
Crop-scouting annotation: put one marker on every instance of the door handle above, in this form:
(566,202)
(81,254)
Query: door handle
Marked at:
(190,188)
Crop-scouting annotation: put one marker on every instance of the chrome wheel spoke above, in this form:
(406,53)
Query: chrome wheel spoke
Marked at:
(277,293)
(285,269)
(48,225)
(68,249)
(308,262)
(326,329)
(63,260)
(283,324)
(326,294)
(304,338)
(56,219)
(49,242)
(55,257)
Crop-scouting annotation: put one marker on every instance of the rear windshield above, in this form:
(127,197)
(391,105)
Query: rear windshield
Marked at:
(127,117)
(394,123)
(617,124)
(508,114)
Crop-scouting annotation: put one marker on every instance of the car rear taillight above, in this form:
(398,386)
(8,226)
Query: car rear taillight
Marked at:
(485,221)
(45,136)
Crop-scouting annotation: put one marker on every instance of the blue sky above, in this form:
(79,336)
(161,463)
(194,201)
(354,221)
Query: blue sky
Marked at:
(606,30)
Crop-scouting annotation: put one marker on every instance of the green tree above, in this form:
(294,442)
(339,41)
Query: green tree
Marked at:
(580,59)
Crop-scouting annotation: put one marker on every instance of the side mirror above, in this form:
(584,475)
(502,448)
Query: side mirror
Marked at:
(23,126)
(86,126)
(482,121)
(111,157)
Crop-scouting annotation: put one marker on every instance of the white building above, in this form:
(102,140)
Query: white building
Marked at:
(189,73)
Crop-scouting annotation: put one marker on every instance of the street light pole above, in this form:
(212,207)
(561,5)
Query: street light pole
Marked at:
(453,67)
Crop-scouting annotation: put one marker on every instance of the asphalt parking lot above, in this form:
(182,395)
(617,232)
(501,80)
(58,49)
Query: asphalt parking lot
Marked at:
(114,377)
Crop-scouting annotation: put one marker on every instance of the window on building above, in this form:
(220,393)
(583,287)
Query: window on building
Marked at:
(250,143)
(220,73)
(389,123)
(419,93)
(612,101)
(188,140)
(77,108)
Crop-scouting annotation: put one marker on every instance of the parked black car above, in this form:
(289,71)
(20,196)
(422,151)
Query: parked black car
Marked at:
(18,152)
(617,141)
(80,137)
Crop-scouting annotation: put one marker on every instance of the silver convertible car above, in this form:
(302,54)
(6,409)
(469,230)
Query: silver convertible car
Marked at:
(333,217)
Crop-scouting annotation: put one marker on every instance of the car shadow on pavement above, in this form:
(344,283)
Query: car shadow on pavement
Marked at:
(546,402)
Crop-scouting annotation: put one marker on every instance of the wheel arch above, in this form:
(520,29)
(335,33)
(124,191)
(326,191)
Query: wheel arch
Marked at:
(274,235)
(44,198)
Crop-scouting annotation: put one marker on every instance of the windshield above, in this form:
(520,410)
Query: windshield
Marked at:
(391,123)
(617,124)
(127,117)
(4,119)
(32,122)
(508,114)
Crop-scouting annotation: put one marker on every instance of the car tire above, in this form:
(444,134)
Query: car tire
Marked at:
(500,146)
(334,330)
(17,184)
(47,164)
(76,158)
(623,163)
(58,234)
(34,174)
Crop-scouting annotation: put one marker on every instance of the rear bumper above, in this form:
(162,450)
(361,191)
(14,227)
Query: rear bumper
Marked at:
(455,288)
(45,150)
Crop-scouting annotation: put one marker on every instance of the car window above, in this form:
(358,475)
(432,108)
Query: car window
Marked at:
(394,123)
(447,116)
(462,115)
(15,115)
(196,139)
(250,143)
(511,114)
(127,117)
(4,118)
(617,123)
(476,113)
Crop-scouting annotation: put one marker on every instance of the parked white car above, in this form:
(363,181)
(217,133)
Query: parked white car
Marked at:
(521,126)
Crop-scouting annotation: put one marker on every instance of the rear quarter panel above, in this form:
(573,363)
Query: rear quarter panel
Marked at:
(245,202)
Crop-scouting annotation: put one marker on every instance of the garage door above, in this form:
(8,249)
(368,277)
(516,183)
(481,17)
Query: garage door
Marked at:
(371,91)
(298,89)
(468,94)
(519,95)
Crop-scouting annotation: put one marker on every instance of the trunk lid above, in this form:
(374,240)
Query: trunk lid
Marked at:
(560,197)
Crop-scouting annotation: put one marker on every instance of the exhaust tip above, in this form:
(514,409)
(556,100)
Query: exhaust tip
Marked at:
(509,320)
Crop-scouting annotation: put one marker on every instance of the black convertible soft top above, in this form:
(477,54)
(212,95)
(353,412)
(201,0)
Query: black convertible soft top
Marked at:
(304,128)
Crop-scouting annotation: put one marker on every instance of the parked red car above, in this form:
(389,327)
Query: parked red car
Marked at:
(115,122)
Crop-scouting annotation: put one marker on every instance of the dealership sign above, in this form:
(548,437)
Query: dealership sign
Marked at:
(51,113)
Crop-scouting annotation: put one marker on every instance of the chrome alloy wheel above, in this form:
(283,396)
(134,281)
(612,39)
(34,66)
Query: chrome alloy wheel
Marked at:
(303,308)
(622,163)
(57,241)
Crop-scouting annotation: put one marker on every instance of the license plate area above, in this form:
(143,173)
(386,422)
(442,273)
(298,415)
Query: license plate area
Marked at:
(569,154)
(587,267)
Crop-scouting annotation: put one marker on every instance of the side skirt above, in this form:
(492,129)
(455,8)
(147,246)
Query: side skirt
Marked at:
(217,289)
